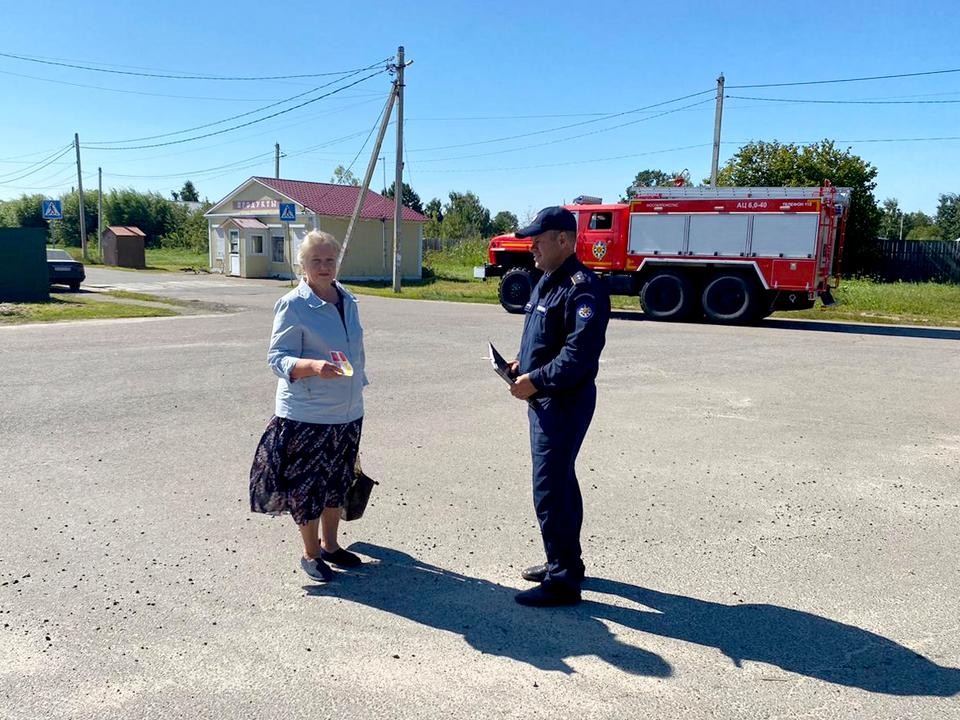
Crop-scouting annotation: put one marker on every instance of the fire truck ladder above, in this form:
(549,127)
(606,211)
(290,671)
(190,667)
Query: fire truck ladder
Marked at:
(737,193)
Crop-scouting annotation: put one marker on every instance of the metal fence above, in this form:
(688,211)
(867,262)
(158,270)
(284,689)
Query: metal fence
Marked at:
(918,261)
(438,244)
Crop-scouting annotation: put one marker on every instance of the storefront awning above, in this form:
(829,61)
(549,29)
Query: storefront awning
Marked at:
(244,223)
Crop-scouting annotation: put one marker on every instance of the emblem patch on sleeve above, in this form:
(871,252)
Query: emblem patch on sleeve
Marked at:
(585,312)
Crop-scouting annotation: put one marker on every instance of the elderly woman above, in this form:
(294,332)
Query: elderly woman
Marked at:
(305,459)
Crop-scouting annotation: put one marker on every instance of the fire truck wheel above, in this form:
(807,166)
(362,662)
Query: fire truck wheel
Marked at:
(515,288)
(667,296)
(730,299)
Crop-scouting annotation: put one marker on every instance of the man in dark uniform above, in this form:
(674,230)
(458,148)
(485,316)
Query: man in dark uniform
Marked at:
(563,334)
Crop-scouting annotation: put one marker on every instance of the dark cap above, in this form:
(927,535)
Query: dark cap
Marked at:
(550,218)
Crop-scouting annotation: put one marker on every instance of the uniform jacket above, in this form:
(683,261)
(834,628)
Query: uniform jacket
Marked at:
(564,329)
(304,326)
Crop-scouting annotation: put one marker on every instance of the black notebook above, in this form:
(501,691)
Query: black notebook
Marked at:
(500,366)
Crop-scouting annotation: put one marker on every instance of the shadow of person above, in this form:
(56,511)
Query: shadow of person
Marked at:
(793,640)
(484,613)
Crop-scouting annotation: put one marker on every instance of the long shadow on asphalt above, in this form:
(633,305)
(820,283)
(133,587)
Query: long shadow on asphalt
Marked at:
(824,326)
(486,616)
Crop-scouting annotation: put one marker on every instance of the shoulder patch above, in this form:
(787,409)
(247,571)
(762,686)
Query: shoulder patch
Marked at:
(585,312)
(578,278)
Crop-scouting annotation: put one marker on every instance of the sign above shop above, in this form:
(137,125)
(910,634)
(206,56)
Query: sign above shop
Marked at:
(255,204)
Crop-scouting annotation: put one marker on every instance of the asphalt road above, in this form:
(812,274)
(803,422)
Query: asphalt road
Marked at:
(770,532)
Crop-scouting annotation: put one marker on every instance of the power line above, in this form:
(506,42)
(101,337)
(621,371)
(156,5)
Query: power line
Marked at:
(234,165)
(575,162)
(57,180)
(40,166)
(90,68)
(132,92)
(572,137)
(507,117)
(369,134)
(847,102)
(192,173)
(17,158)
(565,127)
(885,140)
(844,80)
(246,124)
(228,119)
(141,159)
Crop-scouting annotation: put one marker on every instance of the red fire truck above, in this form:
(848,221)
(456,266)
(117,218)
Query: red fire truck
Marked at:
(732,255)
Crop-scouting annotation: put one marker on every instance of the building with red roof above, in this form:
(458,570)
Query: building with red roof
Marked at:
(123,246)
(250,238)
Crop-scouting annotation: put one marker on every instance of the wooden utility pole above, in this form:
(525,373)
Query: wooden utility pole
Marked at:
(83,219)
(398,184)
(714,166)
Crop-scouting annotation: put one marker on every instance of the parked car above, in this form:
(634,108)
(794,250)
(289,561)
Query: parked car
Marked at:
(64,270)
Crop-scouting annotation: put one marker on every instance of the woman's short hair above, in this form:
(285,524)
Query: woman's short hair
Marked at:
(312,240)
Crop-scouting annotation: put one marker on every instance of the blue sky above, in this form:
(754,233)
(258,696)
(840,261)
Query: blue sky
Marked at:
(482,74)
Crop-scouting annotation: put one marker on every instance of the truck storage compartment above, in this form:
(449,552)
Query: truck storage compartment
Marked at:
(787,235)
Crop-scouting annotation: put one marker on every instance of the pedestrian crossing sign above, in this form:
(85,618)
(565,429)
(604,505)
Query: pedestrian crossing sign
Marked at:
(52,210)
(288,212)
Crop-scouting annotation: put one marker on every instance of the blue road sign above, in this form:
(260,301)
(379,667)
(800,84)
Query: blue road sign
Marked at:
(288,212)
(52,210)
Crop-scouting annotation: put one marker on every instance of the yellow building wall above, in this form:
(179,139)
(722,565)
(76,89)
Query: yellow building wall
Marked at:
(370,254)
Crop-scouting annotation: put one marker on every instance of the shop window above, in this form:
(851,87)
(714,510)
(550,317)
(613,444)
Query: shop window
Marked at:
(601,221)
(277,244)
(256,244)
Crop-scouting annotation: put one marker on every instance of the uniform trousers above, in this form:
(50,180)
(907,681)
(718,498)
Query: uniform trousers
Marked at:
(558,425)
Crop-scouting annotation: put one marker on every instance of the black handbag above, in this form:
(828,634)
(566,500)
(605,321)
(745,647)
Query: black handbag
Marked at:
(358,494)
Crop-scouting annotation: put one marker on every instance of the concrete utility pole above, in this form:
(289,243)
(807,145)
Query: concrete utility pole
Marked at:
(714,166)
(100,211)
(398,186)
(83,220)
(276,160)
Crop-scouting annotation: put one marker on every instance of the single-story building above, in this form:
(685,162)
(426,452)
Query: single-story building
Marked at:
(123,246)
(249,239)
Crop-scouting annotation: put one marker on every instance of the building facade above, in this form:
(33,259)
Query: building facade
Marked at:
(248,237)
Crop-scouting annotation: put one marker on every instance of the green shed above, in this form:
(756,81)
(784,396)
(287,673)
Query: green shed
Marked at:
(23,265)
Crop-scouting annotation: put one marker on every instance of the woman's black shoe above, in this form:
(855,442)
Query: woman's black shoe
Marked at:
(341,558)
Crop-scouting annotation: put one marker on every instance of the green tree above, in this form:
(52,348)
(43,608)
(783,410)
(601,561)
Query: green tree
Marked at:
(924,232)
(464,217)
(503,222)
(920,226)
(67,231)
(896,224)
(948,216)
(188,229)
(27,211)
(188,193)
(653,178)
(410,198)
(343,176)
(434,211)
(773,164)
(890,217)
(153,214)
